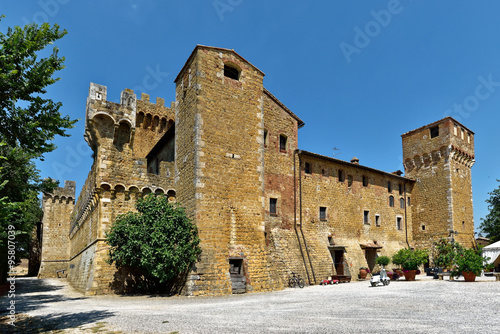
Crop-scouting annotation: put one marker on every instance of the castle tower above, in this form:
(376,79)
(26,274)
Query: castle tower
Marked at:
(57,208)
(439,156)
(219,151)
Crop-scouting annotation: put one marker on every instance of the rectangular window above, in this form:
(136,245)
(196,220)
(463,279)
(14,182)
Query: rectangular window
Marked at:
(341,176)
(307,168)
(377,220)
(463,131)
(365,181)
(349,181)
(324,171)
(391,201)
(402,203)
(401,189)
(389,186)
(282,143)
(265,138)
(399,223)
(322,213)
(273,206)
(366,217)
(409,201)
(434,131)
(455,130)
(468,137)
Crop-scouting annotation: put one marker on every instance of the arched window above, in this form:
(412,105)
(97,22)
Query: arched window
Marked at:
(391,201)
(283,143)
(402,203)
(231,72)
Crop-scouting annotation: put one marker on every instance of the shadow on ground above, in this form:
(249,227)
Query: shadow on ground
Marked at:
(51,322)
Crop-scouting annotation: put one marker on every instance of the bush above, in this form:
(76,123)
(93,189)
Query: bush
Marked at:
(410,259)
(158,240)
(383,260)
(469,260)
(445,252)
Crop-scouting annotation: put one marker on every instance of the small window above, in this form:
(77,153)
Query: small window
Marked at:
(423,227)
(366,217)
(272,206)
(341,176)
(455,130)
(391,201)
(402,203)
(389,186)
(282,143)
(231,72)
(463,132)
(349,181)
(307,168)
(463,225)
(399,223)
(265,138)
(409,202)
(365,181)
(322,213)
(401,189)
(377,220)
(468,137)
(434,131)
(324,171)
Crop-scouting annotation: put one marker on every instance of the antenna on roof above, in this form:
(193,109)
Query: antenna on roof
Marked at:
(336,149)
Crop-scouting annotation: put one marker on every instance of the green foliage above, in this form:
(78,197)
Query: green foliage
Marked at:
(27,120)
(445,252)
(490,225)
(410,259)
(469,260)
(28,124)
(383,260)
(159,239)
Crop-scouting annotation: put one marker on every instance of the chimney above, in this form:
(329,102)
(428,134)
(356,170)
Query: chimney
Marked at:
(355,161)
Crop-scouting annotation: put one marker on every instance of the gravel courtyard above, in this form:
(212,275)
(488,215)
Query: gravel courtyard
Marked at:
(424,306)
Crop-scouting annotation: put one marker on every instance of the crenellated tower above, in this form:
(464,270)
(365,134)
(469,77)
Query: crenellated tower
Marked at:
(439,156)
(57,208)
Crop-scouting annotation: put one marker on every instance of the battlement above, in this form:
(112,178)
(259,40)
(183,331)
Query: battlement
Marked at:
(63,193)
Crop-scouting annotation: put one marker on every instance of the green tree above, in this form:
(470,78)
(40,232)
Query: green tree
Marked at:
(490,225)
(159,240)
(28,124)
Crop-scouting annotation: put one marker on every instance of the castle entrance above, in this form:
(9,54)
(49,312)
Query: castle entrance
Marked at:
(238,279)
(338,258)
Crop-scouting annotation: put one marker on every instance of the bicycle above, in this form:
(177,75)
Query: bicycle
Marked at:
(296,280)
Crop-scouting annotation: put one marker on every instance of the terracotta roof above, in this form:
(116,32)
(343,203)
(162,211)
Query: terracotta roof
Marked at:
(436,123)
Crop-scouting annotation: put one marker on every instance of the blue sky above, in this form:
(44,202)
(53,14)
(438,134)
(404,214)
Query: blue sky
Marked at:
(359,74)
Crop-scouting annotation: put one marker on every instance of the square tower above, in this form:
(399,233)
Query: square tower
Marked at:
(439,156)
(220,169)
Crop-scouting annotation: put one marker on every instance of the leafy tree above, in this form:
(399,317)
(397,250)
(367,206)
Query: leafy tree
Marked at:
(28,124)
(445,253)
(159,240)
(491,224)
(27,119)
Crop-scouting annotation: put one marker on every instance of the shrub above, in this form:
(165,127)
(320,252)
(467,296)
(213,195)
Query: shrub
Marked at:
(383,260)
(159,240)
(469,260)
(410,259)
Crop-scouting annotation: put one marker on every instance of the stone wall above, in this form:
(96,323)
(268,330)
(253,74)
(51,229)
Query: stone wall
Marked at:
(57,208)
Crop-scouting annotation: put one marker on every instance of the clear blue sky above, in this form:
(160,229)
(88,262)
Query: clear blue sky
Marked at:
(358,73)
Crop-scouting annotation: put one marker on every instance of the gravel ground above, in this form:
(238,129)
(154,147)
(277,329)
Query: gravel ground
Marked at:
(423,306)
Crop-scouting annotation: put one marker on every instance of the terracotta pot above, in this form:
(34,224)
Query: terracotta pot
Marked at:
(469,276)
(362,273)
(410,275)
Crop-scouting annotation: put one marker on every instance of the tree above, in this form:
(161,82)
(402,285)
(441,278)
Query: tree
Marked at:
(28,124)
(490,225)
(159,240)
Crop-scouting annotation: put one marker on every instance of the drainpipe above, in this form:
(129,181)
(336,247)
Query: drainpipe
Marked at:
(300,219)
(295,212)
(406,220)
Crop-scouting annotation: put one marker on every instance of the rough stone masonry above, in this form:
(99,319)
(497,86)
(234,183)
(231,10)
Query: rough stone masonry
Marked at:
(227,151)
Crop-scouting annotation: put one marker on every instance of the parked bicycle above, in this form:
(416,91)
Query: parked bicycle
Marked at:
(296,280)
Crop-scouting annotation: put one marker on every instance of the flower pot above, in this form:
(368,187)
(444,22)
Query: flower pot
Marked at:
(410,275)
(469,276)
(362,273)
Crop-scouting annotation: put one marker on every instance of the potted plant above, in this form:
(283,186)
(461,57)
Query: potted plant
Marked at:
(363,271)
(410,260)
(445,253)
(469,263)
(383,260)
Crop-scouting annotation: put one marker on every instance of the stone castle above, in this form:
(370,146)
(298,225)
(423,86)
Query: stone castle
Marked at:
(226,150)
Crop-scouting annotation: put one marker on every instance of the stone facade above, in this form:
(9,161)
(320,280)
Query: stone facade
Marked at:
(227,150)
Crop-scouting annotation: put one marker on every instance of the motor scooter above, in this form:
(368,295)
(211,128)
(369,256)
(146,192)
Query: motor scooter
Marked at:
(380,278)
